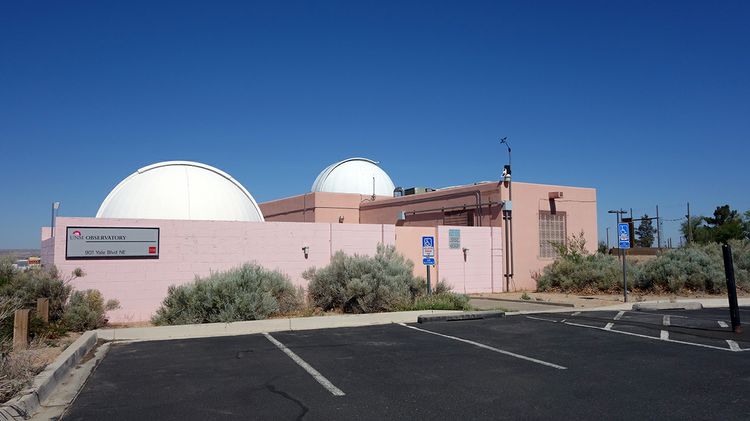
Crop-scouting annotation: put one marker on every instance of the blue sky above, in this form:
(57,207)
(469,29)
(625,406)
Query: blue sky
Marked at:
(648,102)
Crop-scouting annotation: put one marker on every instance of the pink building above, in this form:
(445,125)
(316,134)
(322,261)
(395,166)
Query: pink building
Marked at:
(484,241)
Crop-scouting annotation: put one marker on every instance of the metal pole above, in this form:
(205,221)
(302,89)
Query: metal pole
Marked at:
(658,228)
(689,238)
(734,310)
(624,277)
(429,288)
(607,238)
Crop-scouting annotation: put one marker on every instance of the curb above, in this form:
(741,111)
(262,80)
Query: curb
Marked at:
(510,300)
(207,330)
(30,399)
(691,305)
(473,315)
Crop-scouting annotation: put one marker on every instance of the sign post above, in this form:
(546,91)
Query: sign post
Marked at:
(623,235)
(428,257)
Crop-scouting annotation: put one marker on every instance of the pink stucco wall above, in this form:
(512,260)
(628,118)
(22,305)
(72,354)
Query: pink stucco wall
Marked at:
(197,248)
(579,205)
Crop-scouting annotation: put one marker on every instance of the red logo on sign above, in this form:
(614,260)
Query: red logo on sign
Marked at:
(152,250)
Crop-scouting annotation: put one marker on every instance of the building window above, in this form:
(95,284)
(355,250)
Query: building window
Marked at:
(551,231)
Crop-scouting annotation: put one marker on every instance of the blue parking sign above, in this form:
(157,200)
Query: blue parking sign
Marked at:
(623,235)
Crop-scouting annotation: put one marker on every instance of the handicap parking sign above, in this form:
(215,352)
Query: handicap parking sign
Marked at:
(623,231)
(428,246)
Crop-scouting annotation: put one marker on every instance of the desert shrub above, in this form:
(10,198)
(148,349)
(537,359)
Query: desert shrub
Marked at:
(575,269)
(249,292)
(590,272)
(696,268)
(363,284)
(87,310)
(42,283)
(741,257)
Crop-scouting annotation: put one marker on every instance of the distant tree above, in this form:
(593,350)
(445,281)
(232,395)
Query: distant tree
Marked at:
(645,233)
(602,249)
(725,225)
(698,231)
(746,224)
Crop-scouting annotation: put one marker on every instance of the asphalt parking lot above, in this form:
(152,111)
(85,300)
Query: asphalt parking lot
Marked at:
(595,365)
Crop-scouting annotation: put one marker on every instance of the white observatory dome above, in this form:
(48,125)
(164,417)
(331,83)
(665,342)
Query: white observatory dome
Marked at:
(180,190)
(354,175)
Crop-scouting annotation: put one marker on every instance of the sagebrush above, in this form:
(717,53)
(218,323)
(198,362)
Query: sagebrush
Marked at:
(249,292)
(87,310)
(365,284)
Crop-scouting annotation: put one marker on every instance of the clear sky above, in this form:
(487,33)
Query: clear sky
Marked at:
(646,101)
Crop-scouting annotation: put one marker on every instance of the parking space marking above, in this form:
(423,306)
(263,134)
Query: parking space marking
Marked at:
(542,319)
(666,321)
(490,348)
(335,391)
(609,326)
(722,324)
(576,313)
(655,338)
(619,315)
(734,346)
(664,335)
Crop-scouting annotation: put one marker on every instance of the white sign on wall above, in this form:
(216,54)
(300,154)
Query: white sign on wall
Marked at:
(111,243)
(454,238)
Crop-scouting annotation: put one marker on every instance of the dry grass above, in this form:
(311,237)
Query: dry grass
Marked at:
(18,367)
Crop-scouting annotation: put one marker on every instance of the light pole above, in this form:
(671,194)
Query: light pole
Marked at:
(55,207)
(508,218)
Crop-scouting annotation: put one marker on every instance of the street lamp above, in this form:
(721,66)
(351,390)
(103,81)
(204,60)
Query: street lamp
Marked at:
(55,207)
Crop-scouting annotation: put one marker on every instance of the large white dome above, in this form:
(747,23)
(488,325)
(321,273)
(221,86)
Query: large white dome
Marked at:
(354,175)
(180,190)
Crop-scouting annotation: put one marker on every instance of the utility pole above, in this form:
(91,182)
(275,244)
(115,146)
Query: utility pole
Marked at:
(689,238)
(658,228)
(607,239)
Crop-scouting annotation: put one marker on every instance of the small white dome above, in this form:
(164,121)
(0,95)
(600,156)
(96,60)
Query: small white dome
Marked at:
(180,190)
(354,175)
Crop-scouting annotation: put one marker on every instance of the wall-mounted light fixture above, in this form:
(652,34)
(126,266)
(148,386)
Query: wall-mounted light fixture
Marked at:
(466,251)
(401,216)
(341,219)
(306,250)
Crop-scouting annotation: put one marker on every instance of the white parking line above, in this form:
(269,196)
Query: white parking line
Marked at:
(722,324)
(619,315)
(576,313)
(666,320)
(335,391)
(654,338)
(733,345)
(664,335)
(608,326)
(491,348)
(542,319)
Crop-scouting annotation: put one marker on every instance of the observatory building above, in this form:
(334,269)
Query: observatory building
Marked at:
(180,190)
(169,222)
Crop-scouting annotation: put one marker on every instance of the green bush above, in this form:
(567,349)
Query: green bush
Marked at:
(594,272)
(41,283)
(385,282)
(87,310)
(249,292)
(696,268)
(363,284)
